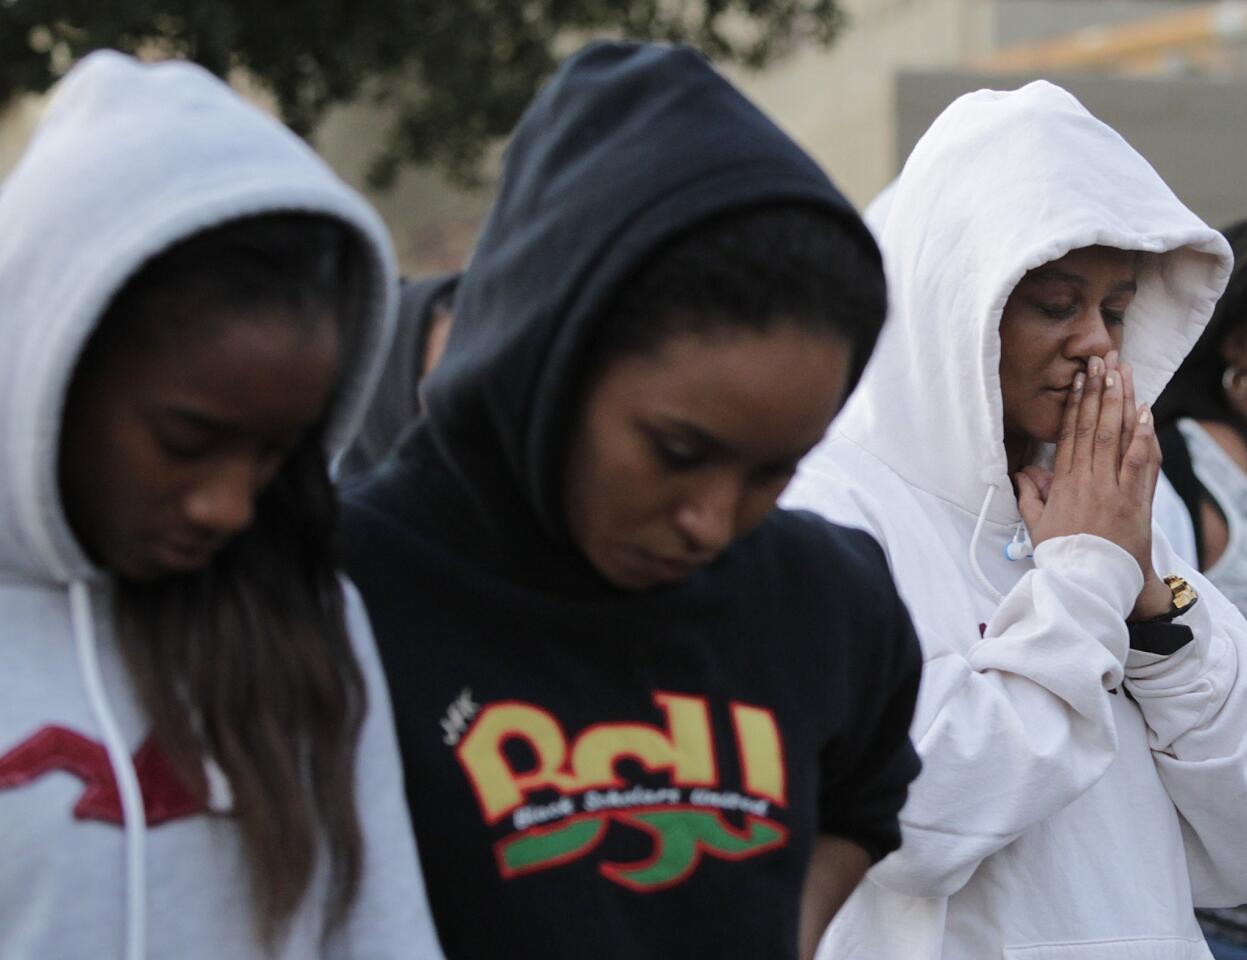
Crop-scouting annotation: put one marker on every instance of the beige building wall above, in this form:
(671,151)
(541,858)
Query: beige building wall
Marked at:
(17,122)
(840,103)
(1192,130)
(434,222)
(857,107)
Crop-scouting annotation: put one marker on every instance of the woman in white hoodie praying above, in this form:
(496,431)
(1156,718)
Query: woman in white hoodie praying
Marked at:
(1081,720)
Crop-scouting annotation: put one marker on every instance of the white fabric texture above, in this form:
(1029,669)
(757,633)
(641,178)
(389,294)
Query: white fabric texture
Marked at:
(1226,483)
(129,159)
(1055,816)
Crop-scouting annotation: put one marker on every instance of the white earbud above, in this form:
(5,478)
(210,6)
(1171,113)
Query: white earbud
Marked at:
(1020,547)
(1018,550)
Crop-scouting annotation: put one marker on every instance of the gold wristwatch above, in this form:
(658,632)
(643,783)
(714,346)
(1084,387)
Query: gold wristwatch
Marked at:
(1160,635)
(1184,597)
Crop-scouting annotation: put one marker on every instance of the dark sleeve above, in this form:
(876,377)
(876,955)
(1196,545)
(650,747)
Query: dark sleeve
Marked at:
(864,782)
(1180,472)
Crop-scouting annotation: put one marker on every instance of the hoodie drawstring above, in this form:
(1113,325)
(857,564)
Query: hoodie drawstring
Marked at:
(974,545)
(134,816)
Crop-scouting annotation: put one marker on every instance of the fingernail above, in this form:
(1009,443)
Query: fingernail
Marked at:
(1094,366)
(1079,379)
(1145,416)
(1109,381)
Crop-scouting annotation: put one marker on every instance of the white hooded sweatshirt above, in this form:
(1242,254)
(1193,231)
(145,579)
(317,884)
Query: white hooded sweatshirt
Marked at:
(1058,816)
(129,159)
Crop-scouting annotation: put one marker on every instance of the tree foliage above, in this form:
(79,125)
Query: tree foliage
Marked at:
(456,73)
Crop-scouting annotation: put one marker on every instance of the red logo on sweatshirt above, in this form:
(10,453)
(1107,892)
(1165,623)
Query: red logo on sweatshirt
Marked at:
(54,748)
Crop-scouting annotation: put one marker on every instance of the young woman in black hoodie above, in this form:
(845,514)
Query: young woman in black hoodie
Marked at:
(642,712)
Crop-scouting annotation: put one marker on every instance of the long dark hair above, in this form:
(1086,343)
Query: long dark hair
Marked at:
(248,661)
(1195,390)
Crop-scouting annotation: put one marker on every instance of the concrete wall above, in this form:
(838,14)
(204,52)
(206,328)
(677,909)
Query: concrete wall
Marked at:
(839,103)
(1192,130)
(1034,21)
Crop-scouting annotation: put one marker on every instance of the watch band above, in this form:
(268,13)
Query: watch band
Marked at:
(1159,637)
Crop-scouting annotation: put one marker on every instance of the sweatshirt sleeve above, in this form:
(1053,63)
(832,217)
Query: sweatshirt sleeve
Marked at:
(390,919)
(1195,705)
(861,800)
(1020,725)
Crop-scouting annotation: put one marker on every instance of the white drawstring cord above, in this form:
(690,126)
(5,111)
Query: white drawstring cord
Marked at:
(133,815)
(974,544)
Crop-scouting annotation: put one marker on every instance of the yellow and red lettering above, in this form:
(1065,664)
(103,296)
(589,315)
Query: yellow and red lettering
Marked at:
(761,752)
(500,789)
(686,750)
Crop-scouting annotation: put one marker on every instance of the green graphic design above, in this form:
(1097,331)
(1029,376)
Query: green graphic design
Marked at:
(680,838)
(534,851)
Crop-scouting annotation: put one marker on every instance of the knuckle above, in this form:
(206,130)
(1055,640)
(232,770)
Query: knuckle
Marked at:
(1104,438)
(1083,430)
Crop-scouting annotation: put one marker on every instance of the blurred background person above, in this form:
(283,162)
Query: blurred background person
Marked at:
(425,313)
(1203,419)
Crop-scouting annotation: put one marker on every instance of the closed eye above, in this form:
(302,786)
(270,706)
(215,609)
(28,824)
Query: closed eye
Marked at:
(676,454)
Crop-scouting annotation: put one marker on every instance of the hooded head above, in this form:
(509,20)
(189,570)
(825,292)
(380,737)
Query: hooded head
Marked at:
(130,160)
(628,149)
(1002,184)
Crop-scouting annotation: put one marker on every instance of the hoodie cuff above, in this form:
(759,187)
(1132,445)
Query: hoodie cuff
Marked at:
(1096,563)
(1181,667)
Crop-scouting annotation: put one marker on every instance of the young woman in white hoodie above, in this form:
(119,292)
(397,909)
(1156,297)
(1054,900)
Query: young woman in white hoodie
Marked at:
(196,750)
(1084,770)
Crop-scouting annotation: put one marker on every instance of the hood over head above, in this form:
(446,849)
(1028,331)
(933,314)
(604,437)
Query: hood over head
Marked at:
(1002,183)
(128,160)
(627,147)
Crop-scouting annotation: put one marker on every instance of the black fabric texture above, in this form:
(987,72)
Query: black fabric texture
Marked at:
(593,772)
(1180,472)
(396,402)
(1163,639)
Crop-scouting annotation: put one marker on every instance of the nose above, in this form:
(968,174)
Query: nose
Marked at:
(223,502)
(1091,337)
(708,516)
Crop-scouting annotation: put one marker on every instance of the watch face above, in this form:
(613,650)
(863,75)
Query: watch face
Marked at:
(1183,594)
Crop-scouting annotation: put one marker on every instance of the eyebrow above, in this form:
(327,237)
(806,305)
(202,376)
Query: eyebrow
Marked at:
(1052,273)
(1077,280)
(697,433)
(201,420)
(717,445)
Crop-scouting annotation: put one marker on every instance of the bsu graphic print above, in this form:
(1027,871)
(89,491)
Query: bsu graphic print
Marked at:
(684,821)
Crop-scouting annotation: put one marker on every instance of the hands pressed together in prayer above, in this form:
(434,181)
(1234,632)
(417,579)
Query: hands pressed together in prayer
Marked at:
(1104,476)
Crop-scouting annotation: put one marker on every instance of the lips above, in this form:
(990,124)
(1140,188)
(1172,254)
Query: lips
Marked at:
(665,569)
(183,555)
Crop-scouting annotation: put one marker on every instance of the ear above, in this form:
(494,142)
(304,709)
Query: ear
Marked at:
(1233,347)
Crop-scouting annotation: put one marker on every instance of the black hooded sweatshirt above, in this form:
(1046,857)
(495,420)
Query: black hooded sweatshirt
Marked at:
(594,772)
